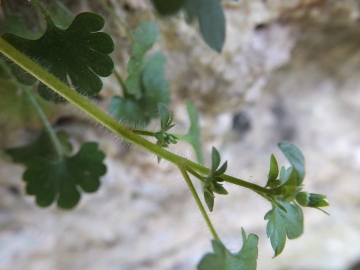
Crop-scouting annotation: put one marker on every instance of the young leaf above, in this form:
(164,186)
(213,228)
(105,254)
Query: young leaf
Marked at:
(166,7)
(155,90)
(215,159)
(274,170)
(285,175)
(211,20)
(43,147)
(221,170)
(80,52)
(219,189)
(223,259)
(145,36)
(282,224)
(62,180)
(296,159)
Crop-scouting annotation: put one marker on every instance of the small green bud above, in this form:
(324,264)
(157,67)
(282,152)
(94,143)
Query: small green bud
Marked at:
(311,199)
(159,135)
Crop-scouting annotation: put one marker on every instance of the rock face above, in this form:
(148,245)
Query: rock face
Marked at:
(289,70)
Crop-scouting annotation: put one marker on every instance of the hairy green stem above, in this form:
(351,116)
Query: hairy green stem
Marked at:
(48,127)
(117,18)
(198,202)
(106,120)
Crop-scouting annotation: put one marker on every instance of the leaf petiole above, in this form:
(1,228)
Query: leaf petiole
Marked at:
(198,202)
(59,149)
(194,173)
(121,82)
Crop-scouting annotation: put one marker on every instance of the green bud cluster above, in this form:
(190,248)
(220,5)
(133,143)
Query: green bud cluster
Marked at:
(288,182)
(311,199)
(165,139)
(211,182)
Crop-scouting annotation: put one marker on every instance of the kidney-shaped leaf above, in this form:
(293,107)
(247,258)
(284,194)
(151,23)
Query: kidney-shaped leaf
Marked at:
(62,180)
(223,259)
(282,224)
(211,20)
(79,52)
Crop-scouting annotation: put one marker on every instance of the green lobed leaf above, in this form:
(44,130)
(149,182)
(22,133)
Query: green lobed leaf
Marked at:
(155,90)
(62,180)
(145,36)
(155,87)
(211,20)
(223,259)
(282,224)
(80,52)
(43,147)
(296,159)
(166,7)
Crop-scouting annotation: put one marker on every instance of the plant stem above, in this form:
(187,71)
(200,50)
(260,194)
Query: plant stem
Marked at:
(198,202)
(48,127)
(198,176)
(106,120)
(121,82)
(144,132)
(117,18)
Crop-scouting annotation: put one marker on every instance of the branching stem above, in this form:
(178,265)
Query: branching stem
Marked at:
(198,202)
(198,176)
(48,127)
(106,120)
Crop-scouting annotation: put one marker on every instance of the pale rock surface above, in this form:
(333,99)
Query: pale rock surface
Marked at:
(291,68)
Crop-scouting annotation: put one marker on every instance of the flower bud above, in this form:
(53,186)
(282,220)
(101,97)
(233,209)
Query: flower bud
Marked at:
(311,199)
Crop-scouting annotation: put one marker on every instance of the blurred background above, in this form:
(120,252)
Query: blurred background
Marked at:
(289,70)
